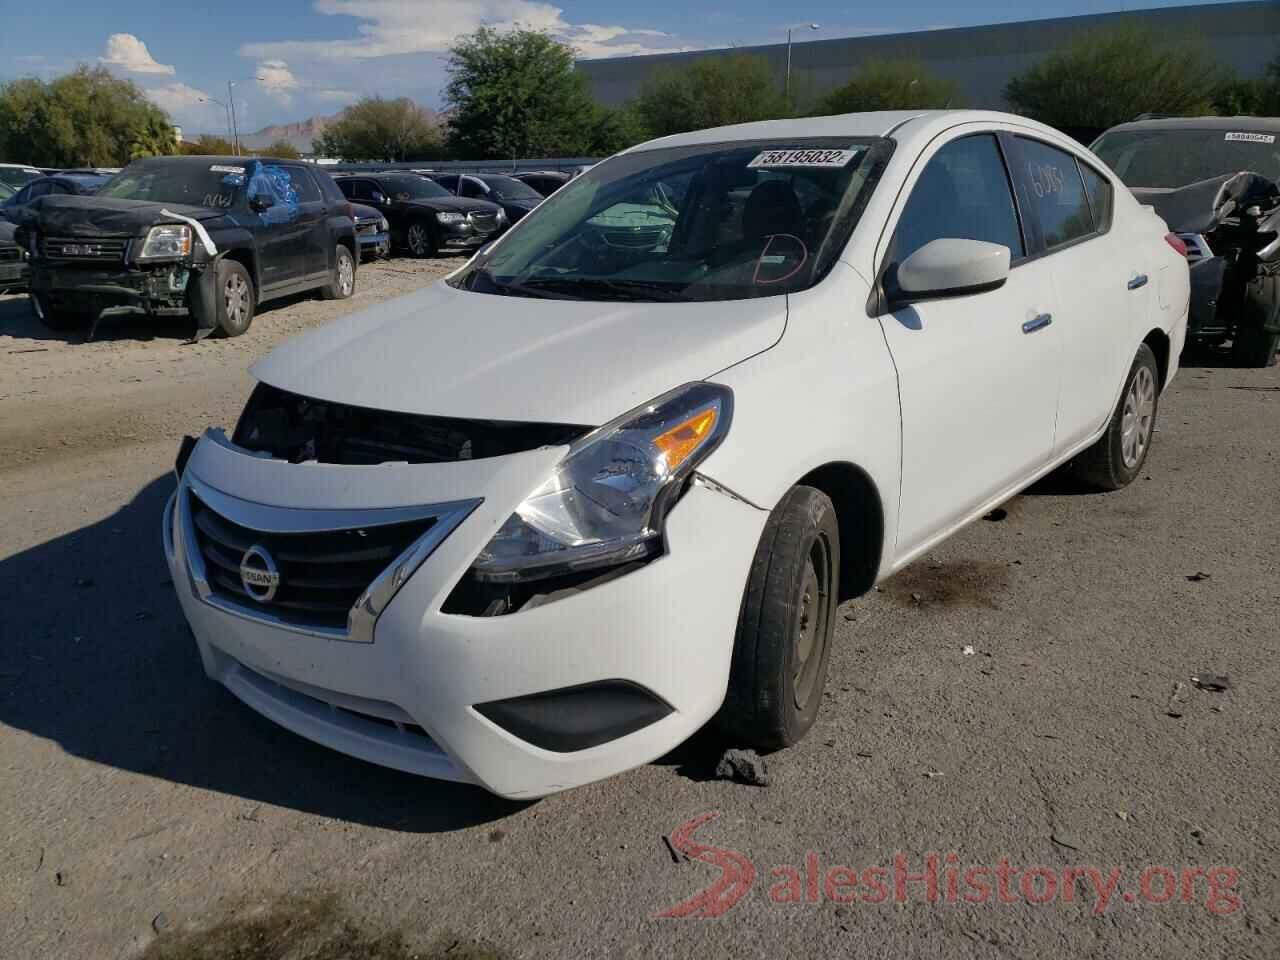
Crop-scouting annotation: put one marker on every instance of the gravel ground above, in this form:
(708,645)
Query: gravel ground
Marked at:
(146,813)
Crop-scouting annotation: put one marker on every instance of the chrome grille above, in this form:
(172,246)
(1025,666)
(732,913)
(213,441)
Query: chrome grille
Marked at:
(9,252)
(84,249)
(635,238)
(1197,247)
(336,570)
(483,222)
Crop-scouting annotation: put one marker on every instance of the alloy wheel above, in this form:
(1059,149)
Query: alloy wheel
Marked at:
(346,274)
(418,243)
(235,299)
(1138,418)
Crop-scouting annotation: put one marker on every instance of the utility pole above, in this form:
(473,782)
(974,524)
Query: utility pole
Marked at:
(235,130)
(810,26)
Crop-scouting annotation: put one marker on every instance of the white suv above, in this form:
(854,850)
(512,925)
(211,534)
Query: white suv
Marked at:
(538,523)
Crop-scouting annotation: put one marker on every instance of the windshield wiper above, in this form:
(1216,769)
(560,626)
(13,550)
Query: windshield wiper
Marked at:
(630,291)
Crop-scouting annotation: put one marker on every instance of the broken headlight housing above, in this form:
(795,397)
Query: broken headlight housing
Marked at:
(168,241)
(606,502)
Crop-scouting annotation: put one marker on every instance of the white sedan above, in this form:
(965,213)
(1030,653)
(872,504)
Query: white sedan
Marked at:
(540,522)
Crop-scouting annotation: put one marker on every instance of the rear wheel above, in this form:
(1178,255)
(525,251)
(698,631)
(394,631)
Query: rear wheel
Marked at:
(1115,460)
(419,240)
(783,641)
(235,298)
(344,276)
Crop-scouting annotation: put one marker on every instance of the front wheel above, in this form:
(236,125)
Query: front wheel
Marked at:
(344,276)
(1254,347)
(235,298)
(783,643)
(419,240)
(1117,457)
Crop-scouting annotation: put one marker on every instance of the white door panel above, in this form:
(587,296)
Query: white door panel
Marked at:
(978,397)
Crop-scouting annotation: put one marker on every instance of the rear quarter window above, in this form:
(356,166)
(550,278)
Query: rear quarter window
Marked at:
(1056,192)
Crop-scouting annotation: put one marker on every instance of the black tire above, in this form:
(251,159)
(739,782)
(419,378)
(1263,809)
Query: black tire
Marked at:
(783,642)
(344,275)
(1117,458)
(234,301)
(60,321)
(420,240)
(1254,348)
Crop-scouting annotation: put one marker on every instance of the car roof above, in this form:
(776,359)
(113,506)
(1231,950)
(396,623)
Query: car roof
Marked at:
(902,125)
(1269,124)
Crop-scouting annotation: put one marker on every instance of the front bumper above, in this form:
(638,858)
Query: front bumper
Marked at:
(408,699)
(156,291)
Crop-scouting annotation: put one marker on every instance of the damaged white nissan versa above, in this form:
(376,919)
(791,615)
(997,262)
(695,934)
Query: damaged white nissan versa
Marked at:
(540,522)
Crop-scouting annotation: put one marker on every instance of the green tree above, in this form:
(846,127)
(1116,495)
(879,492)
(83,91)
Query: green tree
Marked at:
(515,94)
(711,92)
(84,118)
(1107,77)
(376,128)
(208,145)
(890,85)
(282,149)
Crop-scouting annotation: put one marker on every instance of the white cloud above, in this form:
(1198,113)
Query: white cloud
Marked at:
(397,27)
(277,80)
(174,97)
(126,51)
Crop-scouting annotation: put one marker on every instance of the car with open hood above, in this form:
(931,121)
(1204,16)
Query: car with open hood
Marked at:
(1188,169)
(204,237)
(424,219)
(538,523)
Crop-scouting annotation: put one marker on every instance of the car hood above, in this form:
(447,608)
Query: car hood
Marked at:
(451,353)
(105,216)
(1186,209)
(461,204)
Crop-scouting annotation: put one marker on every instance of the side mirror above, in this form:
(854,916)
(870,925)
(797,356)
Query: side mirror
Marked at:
(950,268)
(262,202)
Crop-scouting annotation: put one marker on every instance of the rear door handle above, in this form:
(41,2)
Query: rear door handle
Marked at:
(1137,282)
(1037,323)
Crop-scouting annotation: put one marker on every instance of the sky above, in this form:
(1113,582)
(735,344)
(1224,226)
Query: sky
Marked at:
(291,59)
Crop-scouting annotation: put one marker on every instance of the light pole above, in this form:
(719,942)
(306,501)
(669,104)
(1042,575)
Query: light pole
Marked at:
(231,97)
(225,109)
(795,26)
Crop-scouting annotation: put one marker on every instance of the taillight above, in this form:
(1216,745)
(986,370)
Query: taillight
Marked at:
(1175,241)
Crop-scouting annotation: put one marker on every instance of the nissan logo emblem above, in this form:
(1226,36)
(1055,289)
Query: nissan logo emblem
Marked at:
(258,574)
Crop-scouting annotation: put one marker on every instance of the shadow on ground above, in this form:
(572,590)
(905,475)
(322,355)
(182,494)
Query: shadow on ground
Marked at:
(97,658)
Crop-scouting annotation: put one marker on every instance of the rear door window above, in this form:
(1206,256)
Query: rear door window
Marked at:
(963,193)
(1056,193)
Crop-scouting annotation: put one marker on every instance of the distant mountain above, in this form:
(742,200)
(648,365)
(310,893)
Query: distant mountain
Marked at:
(300,134)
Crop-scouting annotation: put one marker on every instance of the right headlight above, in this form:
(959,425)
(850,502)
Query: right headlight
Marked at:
(169,241)
(607,499)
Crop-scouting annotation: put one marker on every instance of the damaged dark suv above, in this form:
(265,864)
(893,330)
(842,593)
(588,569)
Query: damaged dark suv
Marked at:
(205,237)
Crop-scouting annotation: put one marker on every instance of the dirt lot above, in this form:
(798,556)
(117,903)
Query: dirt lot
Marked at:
(147,813)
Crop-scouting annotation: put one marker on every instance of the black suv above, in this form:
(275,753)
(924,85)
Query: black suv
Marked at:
(208,237)
(424,218)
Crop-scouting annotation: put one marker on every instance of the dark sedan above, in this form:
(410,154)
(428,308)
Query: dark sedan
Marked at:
(424,218)
(515,198)
(58,185)
(546,182)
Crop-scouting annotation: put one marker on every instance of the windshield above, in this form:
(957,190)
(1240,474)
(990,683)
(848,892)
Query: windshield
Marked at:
(706,222)
(508,188)
(202,185)
(15,177)
(413,188)
(1175,158)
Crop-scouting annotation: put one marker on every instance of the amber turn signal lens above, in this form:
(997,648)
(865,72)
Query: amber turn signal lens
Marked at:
(681,440)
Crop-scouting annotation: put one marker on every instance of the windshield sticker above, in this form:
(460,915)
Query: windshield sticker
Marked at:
(1251,137)
(803,158)
(219,168)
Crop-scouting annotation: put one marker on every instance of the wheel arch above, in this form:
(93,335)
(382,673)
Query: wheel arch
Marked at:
(1160,345)
(860,518)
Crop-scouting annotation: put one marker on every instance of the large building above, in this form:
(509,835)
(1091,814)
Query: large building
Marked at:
(980,60)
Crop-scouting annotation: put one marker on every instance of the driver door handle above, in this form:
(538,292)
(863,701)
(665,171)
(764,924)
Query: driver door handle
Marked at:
(1138,282)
